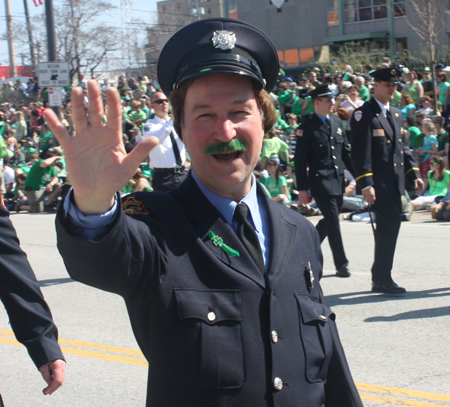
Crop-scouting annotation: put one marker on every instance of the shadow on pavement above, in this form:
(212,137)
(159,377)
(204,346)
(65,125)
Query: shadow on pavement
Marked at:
(418,314)
(55,281)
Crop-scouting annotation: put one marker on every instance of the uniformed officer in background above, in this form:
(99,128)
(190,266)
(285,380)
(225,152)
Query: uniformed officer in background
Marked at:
(382,159)
(322,146)
(221,283)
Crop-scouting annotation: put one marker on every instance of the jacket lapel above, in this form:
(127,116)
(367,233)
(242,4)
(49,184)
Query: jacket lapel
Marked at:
(283,237)
(205,218)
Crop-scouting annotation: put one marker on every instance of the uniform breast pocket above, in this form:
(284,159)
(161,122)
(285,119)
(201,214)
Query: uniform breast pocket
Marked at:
(320,147)
(316,337)
(208,339)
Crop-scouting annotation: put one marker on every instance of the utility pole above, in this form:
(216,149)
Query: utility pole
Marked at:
(30,38)
(51,40)
(9,30)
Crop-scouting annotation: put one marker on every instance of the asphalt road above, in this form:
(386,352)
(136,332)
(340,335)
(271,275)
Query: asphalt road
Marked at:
(398,348)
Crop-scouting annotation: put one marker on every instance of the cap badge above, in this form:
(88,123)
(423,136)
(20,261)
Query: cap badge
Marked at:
(224,39)
(393,72)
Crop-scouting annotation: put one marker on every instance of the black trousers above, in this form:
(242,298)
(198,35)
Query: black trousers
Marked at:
(330,207)
(166,181)
(388,211)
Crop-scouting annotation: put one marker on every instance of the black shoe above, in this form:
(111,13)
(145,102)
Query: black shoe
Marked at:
(387,288)
(343,272)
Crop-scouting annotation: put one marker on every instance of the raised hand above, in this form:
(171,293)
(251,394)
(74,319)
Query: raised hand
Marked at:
(96,159)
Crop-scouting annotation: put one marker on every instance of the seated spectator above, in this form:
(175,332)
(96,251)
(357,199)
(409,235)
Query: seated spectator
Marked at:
(425,106)
(438,181)
(442,211)
(272,146)
(429,147)
(19,157)
(42,183)
(441,134)
(407,106)
(276,183)
(413,131)
(8,177)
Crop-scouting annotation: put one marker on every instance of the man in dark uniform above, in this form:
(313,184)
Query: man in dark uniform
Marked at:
(28,312)
(322,146)
(381,159)
(221,283)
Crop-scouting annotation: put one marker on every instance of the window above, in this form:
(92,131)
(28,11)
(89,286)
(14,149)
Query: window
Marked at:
(291,57)
(401,45)
(365,10)
(306,56)
(333,12)
(399,8)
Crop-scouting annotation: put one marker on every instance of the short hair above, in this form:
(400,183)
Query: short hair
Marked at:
(177,97)
(439,119)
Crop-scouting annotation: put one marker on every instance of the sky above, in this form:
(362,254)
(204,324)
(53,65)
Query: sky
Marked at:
(142,9)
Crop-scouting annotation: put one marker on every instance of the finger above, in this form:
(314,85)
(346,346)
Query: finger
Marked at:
(54,375)
(79,117)
(114,112)
(56,127)
(95,106)
(139,153)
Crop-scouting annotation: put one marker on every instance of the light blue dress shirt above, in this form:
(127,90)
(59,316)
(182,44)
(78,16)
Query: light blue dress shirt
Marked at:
(94,227)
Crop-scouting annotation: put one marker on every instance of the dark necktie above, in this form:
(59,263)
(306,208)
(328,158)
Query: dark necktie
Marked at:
(246,232)
(175,149)
(391,122)
(328,124)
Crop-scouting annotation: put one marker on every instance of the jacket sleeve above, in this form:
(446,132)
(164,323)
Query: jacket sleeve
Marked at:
(362,147)
(28,312)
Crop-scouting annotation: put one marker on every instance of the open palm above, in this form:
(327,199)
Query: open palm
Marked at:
(97,162)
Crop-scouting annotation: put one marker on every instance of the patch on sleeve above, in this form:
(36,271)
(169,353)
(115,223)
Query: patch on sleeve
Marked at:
(378,133)
(358,115)
(132,206)
(299,133)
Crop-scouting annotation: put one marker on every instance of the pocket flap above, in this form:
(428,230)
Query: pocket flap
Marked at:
(210,306)
(312,310)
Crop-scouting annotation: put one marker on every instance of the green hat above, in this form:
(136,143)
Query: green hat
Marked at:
(426,69)
(24,168)
(126,98)
(31,150)
(146,173)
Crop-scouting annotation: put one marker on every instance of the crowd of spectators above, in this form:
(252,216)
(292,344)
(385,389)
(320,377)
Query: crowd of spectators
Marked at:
(34,170)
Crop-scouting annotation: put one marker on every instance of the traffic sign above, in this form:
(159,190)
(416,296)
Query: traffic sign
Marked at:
(53,74)
(54,97)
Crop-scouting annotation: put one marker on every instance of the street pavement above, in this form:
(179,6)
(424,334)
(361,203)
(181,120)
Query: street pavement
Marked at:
(398,348)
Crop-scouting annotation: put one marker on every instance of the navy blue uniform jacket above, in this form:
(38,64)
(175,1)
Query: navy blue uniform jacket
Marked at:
(215,331)
(28,312)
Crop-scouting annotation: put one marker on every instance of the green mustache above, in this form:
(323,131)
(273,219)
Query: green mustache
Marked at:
(230,147)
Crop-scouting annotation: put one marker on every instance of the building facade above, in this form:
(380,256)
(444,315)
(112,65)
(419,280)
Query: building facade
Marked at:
(307,32)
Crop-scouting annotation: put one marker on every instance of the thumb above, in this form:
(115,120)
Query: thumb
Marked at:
(140,152)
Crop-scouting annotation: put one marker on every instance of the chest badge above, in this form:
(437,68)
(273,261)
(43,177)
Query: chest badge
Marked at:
(358,115)
(309,276)
(339,131)
(224,39)
(397,115)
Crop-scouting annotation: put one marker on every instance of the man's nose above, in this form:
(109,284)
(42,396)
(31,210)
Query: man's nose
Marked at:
(225,129)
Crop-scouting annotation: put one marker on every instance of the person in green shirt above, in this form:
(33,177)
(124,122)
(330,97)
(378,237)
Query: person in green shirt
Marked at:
(276,183)
(413,129)
(137,116)
(308,107)
(42,180)
(364,93)
(272,146)
(45,138)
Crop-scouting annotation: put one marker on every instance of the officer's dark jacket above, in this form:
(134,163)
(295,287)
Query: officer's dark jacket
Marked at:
(28,312)
(323,151)
(381,158)
(214,331)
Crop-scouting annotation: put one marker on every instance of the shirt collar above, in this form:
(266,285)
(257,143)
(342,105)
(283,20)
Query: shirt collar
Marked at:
(384,108)
(226,206)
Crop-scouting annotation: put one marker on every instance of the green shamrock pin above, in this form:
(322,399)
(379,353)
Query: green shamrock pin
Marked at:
(218,241)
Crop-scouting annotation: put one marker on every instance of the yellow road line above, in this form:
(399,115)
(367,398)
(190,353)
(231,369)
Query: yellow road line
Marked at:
(362,387)
(402,392)
(396,402)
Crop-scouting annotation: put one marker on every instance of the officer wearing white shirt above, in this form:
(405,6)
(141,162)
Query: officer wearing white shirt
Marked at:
(168,157)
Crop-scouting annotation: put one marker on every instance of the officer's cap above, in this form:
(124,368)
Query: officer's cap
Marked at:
(321,91)
(386,75)
(217,45)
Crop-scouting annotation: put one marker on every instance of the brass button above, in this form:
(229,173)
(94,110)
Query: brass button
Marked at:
(400,140)
(388,141)
(332,147)
(278,383)
(211,316)
(334,157)
(395,165)
(401,164)
(401,152)
(331,138)
(274,336)
(323,317)
(336,166)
